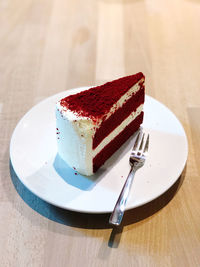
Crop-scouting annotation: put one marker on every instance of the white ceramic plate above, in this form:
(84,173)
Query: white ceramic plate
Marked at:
(33,153)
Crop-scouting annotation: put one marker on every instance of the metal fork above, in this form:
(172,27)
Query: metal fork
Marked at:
(136,160)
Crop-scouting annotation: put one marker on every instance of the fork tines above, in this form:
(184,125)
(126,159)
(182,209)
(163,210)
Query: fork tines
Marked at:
(140,143)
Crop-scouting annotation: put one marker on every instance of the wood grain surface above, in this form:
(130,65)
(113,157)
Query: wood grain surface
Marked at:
(47,46)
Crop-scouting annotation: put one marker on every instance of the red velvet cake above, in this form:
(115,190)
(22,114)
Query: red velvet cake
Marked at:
(94,123)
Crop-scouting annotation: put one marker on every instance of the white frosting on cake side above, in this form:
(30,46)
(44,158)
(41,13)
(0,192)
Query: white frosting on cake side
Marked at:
(75,140)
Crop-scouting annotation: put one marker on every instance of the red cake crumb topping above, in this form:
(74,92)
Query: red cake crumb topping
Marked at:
(97,101)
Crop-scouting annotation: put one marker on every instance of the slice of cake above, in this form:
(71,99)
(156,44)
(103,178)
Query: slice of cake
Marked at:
(94,123)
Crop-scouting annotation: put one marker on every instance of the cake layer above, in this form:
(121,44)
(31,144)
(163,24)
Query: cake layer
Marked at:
(97,102)
(77,151)
(116,118)
(116,143)
(117,130)
(93,124)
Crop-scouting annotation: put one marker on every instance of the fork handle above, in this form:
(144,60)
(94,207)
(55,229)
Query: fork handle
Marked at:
(118,212)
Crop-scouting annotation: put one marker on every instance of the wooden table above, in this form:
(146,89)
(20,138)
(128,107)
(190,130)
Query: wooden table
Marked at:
(52,45)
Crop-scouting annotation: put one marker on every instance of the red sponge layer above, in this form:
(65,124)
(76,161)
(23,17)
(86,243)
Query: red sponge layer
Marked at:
(120,115)
(108,150)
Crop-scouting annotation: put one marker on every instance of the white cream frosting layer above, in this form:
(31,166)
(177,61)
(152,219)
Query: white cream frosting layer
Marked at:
(76,134)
